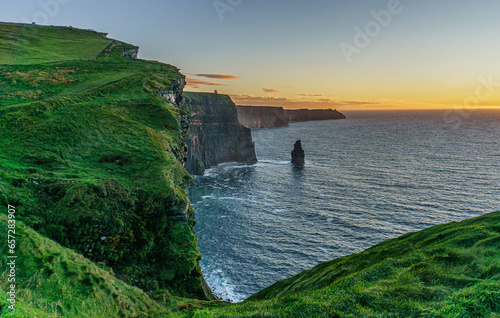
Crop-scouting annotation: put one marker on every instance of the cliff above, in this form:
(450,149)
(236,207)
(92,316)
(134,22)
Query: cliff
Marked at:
(295,115)
(255,117)
(92,151)
(215,135)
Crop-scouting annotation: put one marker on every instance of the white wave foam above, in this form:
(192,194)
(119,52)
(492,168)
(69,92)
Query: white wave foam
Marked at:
(275,162)
(225,166)
(220,284)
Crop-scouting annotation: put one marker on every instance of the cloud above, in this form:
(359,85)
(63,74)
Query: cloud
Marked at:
(312,95)
(218,76)
(291,86)
(270,90)
(302,102)
(324,103)
(360,102)
(195,83)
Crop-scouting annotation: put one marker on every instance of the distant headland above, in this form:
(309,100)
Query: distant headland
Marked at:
(255,117)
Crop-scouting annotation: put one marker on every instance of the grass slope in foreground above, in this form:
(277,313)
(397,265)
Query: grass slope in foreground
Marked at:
(90,154)
(450,270)
(54,281)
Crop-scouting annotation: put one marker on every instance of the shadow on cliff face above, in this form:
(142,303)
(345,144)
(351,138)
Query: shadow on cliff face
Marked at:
(215,135)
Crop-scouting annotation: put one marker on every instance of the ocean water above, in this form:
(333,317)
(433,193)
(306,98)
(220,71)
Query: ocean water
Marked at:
(371,177)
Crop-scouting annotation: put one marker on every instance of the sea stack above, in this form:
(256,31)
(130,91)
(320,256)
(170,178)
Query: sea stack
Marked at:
(298,154)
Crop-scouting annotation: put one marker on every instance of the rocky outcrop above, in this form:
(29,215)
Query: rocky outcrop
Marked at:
(131,53)
(215,135)
(255,117)
(175,94)
(298,156)
(120,48)
(295,115)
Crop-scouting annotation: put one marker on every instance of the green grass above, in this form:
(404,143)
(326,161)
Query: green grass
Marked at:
(53,281)
(191,97)
(91,154)
(30,44)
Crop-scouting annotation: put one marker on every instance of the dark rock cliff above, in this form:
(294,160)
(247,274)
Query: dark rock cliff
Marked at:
(215,135)
(255,117)
(312,114)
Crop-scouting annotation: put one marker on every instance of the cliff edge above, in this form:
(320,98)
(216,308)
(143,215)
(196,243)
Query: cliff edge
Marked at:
(215,135)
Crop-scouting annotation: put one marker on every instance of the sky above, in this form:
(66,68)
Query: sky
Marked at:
(341,54)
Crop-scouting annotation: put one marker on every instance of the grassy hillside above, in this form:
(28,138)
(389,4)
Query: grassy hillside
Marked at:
(29,44)
(56,281)
(451,270)
(53,281)
(91,154)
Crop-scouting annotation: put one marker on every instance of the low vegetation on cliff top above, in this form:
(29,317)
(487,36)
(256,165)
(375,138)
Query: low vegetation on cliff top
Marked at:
(90,155)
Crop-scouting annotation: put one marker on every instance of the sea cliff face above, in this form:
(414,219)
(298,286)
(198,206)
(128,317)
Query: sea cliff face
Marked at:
(256,117)
(215,135)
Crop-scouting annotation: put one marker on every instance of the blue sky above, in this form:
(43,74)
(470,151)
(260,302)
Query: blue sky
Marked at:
(427,53)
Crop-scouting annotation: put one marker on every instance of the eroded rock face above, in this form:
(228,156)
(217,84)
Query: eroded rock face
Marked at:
(131,53)
(215,135)
(255,117)
(175,94)
(298,155)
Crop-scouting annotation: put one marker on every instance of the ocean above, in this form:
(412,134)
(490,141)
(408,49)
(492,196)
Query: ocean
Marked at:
(371,177)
